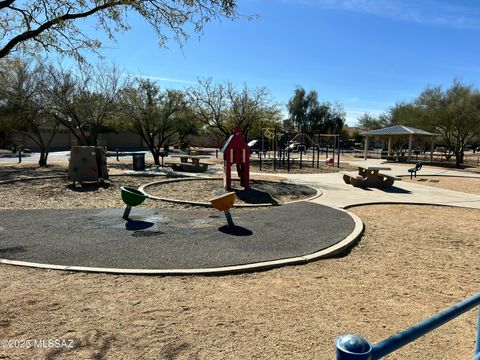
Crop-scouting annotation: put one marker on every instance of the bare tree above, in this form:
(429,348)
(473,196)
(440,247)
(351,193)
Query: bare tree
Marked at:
(248,107)
(50,24)
(22,106)
(210,104)
(154,115)
(85,100)
(220,107)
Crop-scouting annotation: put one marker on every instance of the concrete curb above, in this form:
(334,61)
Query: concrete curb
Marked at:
(331,251)
(207,204)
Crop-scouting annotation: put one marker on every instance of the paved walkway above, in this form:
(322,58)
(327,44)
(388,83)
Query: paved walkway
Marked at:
(338,194)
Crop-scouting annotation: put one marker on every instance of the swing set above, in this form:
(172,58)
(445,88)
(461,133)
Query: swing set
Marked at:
(280,142)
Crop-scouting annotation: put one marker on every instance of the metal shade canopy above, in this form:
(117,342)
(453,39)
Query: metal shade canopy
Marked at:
(399,130)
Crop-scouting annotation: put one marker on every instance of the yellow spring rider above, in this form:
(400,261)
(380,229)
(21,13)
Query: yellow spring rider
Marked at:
(224,203)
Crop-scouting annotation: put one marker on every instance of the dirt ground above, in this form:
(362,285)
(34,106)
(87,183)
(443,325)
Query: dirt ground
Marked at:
(58,168)
(467,185)
(60,193)
(401,272)
(204,189)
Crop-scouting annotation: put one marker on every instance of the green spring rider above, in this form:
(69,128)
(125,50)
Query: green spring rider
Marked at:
(131,197)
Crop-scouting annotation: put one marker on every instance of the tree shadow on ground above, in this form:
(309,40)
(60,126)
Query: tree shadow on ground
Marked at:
(11,172)
(88,186)
(253,196)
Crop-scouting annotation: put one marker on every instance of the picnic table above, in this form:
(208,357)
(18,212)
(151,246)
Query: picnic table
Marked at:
(195,158)
(370,176)
(193,166)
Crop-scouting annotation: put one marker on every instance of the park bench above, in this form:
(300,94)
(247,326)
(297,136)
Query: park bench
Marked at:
(413,171)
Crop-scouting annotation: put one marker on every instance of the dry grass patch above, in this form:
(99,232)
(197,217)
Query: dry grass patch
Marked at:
(466,185)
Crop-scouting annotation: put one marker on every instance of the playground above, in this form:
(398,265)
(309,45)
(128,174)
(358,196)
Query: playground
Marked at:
(411,262)
(282,313)
(182,241)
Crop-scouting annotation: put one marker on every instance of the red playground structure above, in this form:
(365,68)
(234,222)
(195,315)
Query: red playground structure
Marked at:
(236,151)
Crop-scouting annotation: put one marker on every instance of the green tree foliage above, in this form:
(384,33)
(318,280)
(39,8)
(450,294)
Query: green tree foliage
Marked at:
(453,113)
(3,131)
(22,107)
(186,126)
(51,25)
(308,115)
(157,116)
(369,122)
(298,107)
(475,142)
(403,114)
(355,136)
(272,117)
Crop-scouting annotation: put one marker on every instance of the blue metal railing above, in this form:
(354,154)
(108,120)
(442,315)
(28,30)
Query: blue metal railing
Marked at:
(354,347)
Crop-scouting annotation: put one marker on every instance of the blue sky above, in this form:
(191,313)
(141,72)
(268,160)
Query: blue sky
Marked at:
(364,54)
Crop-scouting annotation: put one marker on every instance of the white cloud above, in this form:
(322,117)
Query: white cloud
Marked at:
(428,12)
(164,79)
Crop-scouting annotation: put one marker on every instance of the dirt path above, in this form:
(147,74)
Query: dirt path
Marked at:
(401,272)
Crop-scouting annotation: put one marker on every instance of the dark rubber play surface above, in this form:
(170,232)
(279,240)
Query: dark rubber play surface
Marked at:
(169,239)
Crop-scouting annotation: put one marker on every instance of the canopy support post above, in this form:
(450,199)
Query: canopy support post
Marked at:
(432,145)
(410,141)
(365,151)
